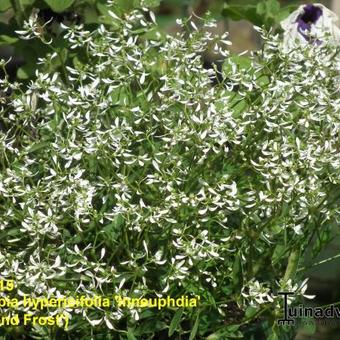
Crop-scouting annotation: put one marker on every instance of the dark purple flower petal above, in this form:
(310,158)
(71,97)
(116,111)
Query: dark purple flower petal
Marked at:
(311,14)
(305,20)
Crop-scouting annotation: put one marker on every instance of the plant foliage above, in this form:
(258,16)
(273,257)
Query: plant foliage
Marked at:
(128,172)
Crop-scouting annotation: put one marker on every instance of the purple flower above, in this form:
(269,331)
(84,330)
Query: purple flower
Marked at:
(310,15)
(312,23)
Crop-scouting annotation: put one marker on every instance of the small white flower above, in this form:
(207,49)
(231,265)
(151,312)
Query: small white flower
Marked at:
(309,24)
(297,289)
(33,29)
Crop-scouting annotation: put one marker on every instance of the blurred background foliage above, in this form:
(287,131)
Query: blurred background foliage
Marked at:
(235,16)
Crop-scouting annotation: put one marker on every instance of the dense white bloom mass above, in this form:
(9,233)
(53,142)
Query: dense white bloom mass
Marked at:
(310,24)
(142,178)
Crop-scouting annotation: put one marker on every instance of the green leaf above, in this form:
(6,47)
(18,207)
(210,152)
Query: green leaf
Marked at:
(150,326)
(27,70)
(309,326)
(250,312)
(241,62)
(268,7)
(283,14)
(59,5)
(229,332)
(22,73)
(175,321)
(273,6)
(5,5)
(130,334)
(27,2)
(278,253)
(237,273)
(214,336)
(7,40)
(233,328)
(261,8)
(111,232)
(105,17)
(13,232)
(90,15)
(150,3)
(121,7)
(38,146)
(195,328)
(118,220)
(235,12)
(269,11)
(293,263)
(273,336)
(240,12)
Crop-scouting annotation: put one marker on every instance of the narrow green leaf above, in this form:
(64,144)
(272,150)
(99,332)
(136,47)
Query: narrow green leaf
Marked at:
(293,262)
(38,146)
(175,321)
(195,328)
(273,336)
(213,336)
(237,273)
(130,334)
(7,40)
(278,252)
(5,5)
(59,5)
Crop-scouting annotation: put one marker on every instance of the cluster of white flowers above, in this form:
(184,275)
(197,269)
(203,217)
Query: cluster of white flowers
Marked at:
(140,155)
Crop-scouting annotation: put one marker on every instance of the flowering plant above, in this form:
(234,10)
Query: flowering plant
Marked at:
(132,174)
(310,23)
